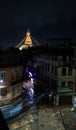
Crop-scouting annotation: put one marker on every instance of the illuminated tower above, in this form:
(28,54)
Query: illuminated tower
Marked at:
(28,40)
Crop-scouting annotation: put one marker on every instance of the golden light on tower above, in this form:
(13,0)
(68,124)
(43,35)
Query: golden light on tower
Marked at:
(28,40)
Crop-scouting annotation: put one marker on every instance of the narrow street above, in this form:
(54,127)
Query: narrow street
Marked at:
(38,119)
(43,117)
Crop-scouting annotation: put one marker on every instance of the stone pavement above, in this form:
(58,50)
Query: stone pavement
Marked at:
(69,119)
(42,119)
(45,118)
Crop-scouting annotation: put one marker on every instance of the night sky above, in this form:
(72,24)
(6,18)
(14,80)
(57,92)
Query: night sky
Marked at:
(46,19)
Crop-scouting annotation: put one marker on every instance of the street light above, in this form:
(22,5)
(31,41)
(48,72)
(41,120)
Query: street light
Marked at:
(1,80)
(50,95)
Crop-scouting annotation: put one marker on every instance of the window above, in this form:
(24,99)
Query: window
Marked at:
(47,80)
(64,58)
(17,73)
(13,90)
(54,85)
(70,58)
(3,75)
(52,69)
(69,71)
(13,74)
(63,71)
(55,58)
(18,89)
(4,92)
(48,68)
(45,66)
(63,83)
(55,70)
(70,84)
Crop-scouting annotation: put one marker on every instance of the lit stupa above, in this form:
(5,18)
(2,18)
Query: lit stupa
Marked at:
(27,42)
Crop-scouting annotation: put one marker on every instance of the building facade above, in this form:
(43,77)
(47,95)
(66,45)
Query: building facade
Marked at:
(10,83)
(58,70)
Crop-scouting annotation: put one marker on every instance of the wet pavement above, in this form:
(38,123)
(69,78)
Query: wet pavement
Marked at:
(43,116)
(69,119)
(38,119)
